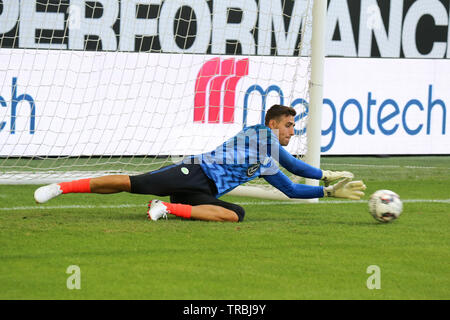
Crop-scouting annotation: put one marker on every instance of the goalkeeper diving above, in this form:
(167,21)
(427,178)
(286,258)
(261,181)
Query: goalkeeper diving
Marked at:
(196,183)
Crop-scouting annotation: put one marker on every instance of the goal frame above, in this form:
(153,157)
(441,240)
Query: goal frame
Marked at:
(316,46)
(312,156)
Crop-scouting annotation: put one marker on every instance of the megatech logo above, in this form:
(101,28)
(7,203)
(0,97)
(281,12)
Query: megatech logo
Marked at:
(215,89)
(369,114)
(15,102)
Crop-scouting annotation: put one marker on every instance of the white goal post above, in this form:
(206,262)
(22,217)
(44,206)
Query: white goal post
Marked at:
(89,88)
(314,121)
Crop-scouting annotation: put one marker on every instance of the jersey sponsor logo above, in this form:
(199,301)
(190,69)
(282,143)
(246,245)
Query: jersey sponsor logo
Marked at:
(266,161)
(252,169)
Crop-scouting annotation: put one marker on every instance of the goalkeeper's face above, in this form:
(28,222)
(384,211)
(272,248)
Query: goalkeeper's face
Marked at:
(283,128)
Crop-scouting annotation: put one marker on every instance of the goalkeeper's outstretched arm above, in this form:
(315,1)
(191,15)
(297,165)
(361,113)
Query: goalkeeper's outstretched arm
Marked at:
(343,189)
(302,169)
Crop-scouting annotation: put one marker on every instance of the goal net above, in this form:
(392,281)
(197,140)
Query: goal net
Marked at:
(89,88)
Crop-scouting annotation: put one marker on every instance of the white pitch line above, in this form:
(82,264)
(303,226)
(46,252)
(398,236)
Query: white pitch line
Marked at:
(39,207)
(324,164)
(342,202)
(260,203)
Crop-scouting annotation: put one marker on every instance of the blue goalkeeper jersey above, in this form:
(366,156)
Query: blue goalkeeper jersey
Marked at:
(252,153)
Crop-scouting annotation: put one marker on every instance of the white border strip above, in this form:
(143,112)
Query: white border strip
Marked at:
(341,202)
(324,164)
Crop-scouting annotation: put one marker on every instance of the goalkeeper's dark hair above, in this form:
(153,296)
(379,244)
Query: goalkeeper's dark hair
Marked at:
(276,111)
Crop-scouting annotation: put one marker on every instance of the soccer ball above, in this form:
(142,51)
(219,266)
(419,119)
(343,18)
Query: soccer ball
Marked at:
(385,205)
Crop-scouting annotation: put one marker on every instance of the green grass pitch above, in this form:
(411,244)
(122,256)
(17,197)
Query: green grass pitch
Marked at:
(281,251)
